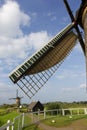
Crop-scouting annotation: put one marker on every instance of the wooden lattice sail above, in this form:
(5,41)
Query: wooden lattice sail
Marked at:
(35,72)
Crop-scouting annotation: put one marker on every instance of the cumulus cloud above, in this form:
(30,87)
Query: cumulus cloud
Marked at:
(66,74)
(12,47)
(68,89)
(18,46)
(39,39)
(13,41)
(11,19)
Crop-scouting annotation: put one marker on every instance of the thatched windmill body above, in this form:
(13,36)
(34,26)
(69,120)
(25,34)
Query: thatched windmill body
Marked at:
(36,71)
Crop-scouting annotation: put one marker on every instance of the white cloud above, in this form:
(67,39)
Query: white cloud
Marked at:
(11,47)
(13,42)
(67,89)
(82,86)
(66,74)
(39,39)
(11,18)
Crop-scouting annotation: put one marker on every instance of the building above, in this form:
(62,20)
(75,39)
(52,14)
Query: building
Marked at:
(35,106)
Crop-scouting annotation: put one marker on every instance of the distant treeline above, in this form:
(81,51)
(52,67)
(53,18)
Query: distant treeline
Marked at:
(7,105)
(64,105)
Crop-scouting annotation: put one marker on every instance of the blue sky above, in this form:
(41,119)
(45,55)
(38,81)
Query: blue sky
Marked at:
(25,25)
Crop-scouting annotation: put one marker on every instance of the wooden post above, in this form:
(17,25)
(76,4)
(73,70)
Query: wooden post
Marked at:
(44,114)
(78,111)
(38,114)
(8,128)
(23,120)
(63,112)
(71,112)
(85,111)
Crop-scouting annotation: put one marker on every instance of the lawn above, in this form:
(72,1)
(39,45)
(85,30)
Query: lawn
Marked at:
(61,121)
(4,118)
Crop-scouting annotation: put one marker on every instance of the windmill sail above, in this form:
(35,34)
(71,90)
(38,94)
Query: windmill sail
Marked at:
(35,72)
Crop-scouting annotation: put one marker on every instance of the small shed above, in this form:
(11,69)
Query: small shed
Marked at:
(35,106)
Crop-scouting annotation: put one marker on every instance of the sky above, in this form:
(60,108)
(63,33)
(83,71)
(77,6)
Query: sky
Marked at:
(25,26)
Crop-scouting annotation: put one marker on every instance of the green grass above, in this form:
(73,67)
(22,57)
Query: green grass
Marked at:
(6,117)
(1,110)
(61,121)
(27,120)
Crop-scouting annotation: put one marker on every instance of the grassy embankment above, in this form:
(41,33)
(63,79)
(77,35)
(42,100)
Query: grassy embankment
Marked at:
(7,116)
(62,121)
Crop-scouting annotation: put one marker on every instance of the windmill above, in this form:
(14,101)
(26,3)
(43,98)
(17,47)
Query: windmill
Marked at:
(17,98)
(36,71)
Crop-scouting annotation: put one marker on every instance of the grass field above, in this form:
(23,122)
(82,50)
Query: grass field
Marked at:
(62,121)
(5,117)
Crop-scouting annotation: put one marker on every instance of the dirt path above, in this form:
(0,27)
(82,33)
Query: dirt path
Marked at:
(46,127)
(77,125)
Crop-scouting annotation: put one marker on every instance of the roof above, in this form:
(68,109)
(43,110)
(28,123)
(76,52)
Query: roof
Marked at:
(33,104)
(57,48)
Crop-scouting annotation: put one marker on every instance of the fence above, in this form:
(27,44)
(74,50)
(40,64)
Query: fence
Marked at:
(7,126)
(17,123)
(27,119)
